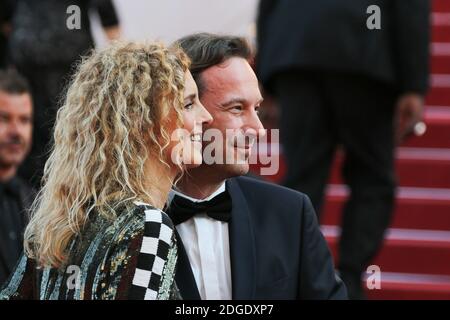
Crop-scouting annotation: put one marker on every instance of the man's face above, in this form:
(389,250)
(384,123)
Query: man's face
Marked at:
(231,95)
(15,128)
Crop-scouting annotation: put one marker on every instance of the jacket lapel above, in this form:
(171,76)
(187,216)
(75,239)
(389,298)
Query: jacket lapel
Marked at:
(184,276)
(242,245)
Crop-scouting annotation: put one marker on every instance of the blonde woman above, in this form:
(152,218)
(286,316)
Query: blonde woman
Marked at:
(97,230)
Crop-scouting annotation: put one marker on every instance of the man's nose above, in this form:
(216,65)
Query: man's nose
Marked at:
(14,128)
(255,124)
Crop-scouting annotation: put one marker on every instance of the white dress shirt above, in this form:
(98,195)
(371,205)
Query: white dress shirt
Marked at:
(207,245)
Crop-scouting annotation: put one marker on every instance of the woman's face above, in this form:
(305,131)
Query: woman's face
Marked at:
(194,116)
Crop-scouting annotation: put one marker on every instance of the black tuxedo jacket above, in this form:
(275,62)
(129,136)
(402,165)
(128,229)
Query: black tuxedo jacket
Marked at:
(332,35)
(276,248)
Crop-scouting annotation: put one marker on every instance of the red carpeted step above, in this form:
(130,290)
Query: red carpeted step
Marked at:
(422,167)
(438,96)
(440,80)
(439,93)
(406,250)
(438,129)
(441,26)
(439,35)
(417,208)
(404,286)
(440,6)
(441,63)
(440,49)
(440,60)
(416,167)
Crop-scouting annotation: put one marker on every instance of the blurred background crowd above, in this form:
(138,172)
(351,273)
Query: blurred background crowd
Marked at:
(363,114)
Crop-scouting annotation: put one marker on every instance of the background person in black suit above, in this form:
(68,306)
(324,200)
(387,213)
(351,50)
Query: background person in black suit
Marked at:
(240,238)
(42,47)
(4,10)
(340,83)
(16,114)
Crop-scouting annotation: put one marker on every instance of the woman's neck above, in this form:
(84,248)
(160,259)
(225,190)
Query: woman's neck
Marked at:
(159,180)
(201,182)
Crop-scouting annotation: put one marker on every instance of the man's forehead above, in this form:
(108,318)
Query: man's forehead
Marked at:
(230,71)
(233,78)
(224,93)
(19,102)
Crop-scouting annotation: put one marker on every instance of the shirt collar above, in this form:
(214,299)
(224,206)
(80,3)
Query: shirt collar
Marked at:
(174,192)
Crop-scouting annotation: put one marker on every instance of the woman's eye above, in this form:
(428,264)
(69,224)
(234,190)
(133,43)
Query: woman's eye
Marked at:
(189,106)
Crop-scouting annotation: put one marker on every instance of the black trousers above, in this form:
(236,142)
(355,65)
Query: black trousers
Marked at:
(321,112)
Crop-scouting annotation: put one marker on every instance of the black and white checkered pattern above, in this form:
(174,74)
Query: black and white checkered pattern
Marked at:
(156,242)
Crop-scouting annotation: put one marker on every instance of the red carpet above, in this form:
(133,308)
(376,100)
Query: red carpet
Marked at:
(415,259)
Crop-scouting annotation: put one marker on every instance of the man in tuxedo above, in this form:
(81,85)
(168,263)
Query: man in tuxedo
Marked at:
(343,80)
(238,237)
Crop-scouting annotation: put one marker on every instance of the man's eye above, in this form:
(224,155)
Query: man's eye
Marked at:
(236,108)
(26,120)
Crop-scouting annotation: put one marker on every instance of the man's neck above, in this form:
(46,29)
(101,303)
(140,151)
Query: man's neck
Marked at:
(7,173)
(200,183)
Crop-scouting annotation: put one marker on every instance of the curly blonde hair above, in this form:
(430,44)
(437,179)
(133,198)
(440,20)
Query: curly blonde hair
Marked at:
(114,117)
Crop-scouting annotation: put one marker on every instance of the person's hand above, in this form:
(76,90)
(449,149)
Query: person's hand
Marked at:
(409,112)
(112,33)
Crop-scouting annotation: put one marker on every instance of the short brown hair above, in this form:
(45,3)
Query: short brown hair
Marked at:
(206,50)
(12,82)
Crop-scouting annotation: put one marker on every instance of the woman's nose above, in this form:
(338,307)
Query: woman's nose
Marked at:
(205,116)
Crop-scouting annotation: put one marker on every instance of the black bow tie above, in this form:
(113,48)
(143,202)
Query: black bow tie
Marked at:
(182,209)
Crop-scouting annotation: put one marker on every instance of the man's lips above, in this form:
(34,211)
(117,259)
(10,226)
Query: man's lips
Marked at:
(245,146)
(12,146)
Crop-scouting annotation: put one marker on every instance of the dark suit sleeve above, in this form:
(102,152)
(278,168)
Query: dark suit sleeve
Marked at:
(264,9)
(318,279)
(107,13)
(6,10)
(411,25)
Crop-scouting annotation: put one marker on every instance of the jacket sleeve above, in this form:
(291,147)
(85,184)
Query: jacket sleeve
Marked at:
(107,13)
(6,11)
(411,26)
(318,279)
(265,9)
(21,283)
(142,265)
